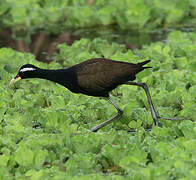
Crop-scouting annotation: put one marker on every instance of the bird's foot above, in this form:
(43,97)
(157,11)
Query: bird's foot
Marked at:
(132,131)
(156,118)
(172,119)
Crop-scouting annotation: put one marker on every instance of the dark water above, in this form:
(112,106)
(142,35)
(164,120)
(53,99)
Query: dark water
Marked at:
(133,39)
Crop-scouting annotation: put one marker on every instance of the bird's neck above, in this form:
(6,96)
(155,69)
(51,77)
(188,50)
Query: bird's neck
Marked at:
(64,77)
(52,75)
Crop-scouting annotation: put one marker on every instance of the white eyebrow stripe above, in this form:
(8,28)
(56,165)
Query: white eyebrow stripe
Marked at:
(27,69)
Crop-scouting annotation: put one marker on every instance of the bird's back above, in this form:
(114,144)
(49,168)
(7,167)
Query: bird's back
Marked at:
(96,77)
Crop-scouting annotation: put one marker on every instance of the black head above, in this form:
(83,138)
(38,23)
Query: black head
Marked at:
(27,71)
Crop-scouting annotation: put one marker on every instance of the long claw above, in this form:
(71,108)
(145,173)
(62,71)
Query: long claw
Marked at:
(172,119)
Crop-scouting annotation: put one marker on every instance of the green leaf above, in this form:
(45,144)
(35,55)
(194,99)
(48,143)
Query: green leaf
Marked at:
(40,157)
(24,156)
(4,160)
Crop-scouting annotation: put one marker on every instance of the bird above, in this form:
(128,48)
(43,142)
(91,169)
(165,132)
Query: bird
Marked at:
(94,77)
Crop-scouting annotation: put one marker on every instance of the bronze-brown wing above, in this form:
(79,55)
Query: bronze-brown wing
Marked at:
(100,75)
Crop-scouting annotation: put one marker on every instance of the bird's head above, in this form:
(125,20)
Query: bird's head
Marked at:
(26,71)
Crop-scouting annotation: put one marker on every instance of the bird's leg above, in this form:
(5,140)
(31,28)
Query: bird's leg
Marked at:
(152,109)
(155,115)
(120,112)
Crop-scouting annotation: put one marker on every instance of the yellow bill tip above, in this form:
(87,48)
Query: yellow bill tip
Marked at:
(14,80)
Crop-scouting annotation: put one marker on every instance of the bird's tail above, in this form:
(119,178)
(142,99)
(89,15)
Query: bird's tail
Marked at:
(143,63)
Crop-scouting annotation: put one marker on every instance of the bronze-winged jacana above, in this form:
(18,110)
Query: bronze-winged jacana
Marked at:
(93,77)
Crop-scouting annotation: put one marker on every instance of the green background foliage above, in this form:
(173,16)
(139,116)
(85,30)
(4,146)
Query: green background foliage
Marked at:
(39,119)
(26,17)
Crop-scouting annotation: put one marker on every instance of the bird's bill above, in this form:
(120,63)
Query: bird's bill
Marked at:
(14,80)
